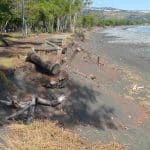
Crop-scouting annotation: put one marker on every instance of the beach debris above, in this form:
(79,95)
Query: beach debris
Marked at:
(48,67)
(75,52)
(93,77)
(98,60)
(129,117)
(80,35)
(30,106)
(55,41)
(57,81)
(136,87)
(78,49)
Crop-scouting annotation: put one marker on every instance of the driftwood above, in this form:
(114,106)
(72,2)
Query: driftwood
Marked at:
(31,110)
(48,67)
(53,45)
(55,41)
(57,81)
(31,106)
(13,103)
(49,47)
(45,49)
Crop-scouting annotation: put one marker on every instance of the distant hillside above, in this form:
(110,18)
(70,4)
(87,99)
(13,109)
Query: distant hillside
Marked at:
(109,12)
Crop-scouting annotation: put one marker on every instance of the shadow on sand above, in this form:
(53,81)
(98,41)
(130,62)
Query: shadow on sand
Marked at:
(78,109)
(81,107)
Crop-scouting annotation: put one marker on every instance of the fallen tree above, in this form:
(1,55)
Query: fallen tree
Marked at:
(56,41)
(48,67)
(30,106)
(48,47)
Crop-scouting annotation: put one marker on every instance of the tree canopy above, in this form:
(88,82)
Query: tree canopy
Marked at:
(41,15)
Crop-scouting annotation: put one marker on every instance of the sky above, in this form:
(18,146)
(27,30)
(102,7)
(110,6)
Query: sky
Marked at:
(123,4)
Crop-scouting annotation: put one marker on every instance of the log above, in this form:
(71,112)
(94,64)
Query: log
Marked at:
(31,111)
(18,112)
(55,41)
(53,45)
(45,49)
(48,67)
(30,107)
(53,103)
(58,81)
(13,103)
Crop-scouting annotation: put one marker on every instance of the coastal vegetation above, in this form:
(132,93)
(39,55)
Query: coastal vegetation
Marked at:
(40,15)
(90,20)
(53,16)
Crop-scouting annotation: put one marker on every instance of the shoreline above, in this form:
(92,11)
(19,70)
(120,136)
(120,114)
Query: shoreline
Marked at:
(103,99)
(126,94)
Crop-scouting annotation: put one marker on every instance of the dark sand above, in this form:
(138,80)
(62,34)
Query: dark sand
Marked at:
(110,106)
(116,104)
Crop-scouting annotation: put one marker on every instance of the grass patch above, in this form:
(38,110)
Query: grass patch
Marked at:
(45,135)
(9,62)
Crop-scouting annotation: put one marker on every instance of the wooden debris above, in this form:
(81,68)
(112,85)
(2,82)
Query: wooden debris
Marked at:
(78,49)
(75,52)
(48,67)
(57,81)
(31,106)
(55,41)
(53,45)
(98,60)
(93,77)
(13,103)
(46,49)
(80,35)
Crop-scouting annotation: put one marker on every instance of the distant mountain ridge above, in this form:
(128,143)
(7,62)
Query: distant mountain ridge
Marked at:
(109,12)
(116,9)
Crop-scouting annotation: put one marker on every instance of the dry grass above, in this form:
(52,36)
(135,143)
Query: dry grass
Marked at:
(42,136)
(9,62)
(112,146)
(45,135)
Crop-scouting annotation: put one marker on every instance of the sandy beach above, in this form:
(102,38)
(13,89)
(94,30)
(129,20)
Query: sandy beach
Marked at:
(116,103)
(108,93)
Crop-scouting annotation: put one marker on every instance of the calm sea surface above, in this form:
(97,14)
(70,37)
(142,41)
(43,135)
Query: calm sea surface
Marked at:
(143,29)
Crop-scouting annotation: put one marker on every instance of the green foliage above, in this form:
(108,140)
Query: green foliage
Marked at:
(52,15)
(5,12)
(90,20)
(116,22)
(41,15)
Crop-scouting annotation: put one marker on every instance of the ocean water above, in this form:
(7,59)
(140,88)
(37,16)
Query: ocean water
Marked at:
(129,34)
(142,29)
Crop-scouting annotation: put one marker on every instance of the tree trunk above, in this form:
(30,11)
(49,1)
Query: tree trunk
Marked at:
(58,24)
(47,67)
